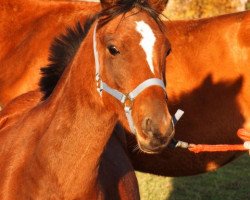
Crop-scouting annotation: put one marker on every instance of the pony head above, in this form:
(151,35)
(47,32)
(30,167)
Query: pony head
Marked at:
(130,50)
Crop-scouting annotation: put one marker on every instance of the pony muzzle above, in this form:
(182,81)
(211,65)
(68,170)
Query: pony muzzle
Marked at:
(156,137)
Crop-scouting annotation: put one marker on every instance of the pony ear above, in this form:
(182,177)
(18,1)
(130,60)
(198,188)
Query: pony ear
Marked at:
(158,5)
(107,3)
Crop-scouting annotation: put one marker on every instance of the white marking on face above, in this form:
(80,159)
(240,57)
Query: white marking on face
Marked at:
(147,41)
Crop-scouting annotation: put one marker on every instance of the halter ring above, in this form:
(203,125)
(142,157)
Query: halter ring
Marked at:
(128,102)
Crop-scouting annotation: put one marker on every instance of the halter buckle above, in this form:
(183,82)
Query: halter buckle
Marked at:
(99,84)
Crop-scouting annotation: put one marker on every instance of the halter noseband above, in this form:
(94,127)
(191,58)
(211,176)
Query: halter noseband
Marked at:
(125,99)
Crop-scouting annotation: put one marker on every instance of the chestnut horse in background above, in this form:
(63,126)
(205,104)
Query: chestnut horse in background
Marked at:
(53,149)
(208,73)
(27,31)
(207,69)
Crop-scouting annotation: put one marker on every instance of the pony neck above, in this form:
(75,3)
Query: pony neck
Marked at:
(80,127)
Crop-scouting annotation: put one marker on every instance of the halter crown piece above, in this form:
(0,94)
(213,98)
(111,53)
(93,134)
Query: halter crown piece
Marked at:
(125,99)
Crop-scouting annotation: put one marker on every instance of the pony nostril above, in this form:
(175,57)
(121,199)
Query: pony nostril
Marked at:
(153,131)
(160,139)
(157,136)
(147,126)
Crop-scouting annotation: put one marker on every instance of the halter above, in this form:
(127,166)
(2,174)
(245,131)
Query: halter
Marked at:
(126,99)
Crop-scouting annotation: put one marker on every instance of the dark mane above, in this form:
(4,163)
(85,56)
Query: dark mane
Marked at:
(64,47)
(62,52)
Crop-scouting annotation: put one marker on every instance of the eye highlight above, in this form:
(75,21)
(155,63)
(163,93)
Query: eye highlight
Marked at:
(113,50)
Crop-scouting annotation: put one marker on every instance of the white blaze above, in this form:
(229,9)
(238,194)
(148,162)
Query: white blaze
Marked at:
(147,41)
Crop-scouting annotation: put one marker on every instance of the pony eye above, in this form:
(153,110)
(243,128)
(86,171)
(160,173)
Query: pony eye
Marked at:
(113,50)
(169,51)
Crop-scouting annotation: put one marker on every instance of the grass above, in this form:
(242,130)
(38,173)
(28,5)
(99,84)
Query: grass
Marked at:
(231,182)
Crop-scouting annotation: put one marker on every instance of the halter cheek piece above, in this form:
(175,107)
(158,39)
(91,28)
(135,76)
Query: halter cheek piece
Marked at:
(125,99)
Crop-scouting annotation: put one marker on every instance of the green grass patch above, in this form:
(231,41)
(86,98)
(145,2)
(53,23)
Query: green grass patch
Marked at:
(231,182)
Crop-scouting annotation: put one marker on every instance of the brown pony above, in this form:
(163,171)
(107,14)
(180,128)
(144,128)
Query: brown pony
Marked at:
(207,59)
(53,149)
(115,174)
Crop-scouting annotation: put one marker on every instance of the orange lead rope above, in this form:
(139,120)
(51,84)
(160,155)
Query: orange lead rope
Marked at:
(242,133)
